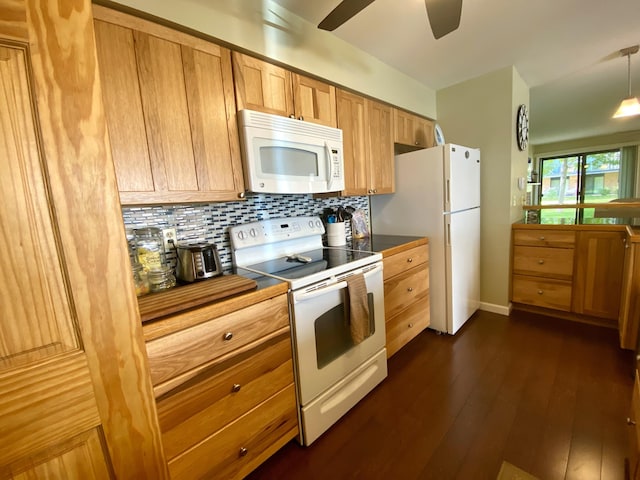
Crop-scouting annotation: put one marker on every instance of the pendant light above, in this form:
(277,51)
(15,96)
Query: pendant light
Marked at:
(629,106)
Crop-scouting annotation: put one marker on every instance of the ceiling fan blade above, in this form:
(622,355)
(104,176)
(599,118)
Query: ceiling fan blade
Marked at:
(343,12)
(444,16)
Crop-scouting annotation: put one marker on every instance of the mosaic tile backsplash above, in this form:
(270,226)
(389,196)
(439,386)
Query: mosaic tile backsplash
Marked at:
(200,223)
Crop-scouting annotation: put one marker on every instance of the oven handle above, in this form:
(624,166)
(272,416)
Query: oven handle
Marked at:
(336,286)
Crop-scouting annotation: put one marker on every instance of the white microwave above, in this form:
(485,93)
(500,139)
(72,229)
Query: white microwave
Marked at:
(285,155)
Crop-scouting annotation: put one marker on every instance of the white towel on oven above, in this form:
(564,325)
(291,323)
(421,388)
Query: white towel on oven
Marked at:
(358,308)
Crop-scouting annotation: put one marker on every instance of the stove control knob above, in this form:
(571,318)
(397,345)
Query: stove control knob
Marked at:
(253,232)
(318,224)
(311,224)
(241,235)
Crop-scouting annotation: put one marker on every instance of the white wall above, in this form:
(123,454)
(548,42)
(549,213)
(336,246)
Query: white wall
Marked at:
(267,29)
(481,112)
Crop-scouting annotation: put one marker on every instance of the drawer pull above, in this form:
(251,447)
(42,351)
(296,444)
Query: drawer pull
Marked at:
(227,336)
(411,325)
(540,292)
(243,452)
(542,238)
(236,387)
(410,289)
(630,422)
(409,259)
(541,261)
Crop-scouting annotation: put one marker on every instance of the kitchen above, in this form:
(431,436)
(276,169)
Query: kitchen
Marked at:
(91,222)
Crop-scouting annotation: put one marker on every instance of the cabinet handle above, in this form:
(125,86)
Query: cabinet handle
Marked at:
(542,238)
(417,142)
(236,388)
(300,117)
(411,325)
(241,195)
(541,261)
(409,260)
(410,289)
(539,292)
(375,190)
(227,336)
(370,191)
(243,452)
(630,422)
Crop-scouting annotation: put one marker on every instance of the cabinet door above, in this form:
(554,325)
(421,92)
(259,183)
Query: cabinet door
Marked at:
(262,86)
(382,179)
(629,317)
(598,274)
(412,130)
(71,353)
(314,101)
(170,110)
(351,111)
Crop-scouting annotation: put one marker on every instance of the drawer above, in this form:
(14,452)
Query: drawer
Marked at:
(544,238)
(399,262)
(403,327)
(241,446)
(402,290)
(193,347)
(216,397)
(543,261)
(548,293)
(634,431)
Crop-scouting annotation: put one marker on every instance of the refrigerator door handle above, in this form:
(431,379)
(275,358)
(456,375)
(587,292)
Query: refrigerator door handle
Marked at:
(449,234)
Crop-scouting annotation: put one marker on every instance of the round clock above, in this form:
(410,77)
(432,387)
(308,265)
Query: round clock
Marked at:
(522,127)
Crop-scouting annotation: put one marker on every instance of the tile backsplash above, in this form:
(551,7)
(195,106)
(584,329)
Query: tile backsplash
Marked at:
(199,223)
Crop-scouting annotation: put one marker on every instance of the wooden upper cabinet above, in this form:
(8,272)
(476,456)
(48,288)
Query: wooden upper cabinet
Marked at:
(314,101)
(367,128)
(170,111)
(352,113)
(412,130)
(269,88)
(75,397)
(381,159)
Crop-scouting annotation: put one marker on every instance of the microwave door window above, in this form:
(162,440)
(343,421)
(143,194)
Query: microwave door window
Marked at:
(288,161)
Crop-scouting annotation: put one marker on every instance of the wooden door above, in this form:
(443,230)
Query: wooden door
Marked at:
(597,280)
(262,86)
(381,159)
(351,111)
(314,101)
(75,395)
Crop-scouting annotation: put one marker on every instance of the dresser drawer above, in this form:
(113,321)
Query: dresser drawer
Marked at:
(402,290)
(219,395)
(544,261)
(242,445)
(400,262)
(403,327)
(541,292)
(193,347)
(544,238)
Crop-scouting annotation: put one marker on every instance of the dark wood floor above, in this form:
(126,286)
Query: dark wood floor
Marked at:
(547,395)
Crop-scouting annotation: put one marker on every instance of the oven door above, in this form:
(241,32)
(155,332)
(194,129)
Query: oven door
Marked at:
(324,348)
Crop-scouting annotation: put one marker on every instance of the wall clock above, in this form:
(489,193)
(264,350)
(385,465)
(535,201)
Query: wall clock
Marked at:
(522,127)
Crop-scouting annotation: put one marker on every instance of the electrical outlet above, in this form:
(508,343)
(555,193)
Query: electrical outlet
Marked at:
(169,234)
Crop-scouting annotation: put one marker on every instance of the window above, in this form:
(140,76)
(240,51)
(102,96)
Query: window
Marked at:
(592,177)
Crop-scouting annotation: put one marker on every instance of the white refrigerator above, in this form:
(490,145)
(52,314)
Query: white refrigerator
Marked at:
(438,196)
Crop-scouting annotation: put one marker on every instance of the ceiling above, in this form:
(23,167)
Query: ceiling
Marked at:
(566,51)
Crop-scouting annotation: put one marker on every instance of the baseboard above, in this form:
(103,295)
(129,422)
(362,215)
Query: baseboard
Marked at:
(499,309)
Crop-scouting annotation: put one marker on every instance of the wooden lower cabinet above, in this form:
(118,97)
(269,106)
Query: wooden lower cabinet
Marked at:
(406,293)
(224,384)
(633,461)
(573,270)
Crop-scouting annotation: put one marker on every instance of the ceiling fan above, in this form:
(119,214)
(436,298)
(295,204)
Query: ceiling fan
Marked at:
(444,15)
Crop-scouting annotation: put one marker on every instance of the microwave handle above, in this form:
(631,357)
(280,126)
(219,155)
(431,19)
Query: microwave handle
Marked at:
(331,177)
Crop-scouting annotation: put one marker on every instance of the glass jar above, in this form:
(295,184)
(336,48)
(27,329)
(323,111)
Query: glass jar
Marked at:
(131,245)
(140,280)
(150,248)
(161,279)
